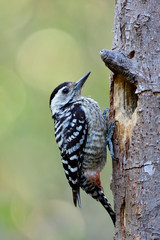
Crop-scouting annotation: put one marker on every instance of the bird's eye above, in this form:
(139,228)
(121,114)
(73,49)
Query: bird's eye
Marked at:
(65,90)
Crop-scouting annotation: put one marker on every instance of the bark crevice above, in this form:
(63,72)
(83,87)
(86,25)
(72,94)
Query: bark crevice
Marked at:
(122,217)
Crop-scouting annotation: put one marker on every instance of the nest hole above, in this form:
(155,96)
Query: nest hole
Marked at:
(130,98)
(125,98)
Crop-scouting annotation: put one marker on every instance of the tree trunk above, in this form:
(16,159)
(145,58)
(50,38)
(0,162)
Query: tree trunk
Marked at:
(135,103)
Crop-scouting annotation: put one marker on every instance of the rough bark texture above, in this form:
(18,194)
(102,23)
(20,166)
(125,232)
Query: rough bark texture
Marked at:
(135,103)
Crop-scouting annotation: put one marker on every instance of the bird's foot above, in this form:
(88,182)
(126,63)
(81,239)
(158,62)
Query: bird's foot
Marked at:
(109,142)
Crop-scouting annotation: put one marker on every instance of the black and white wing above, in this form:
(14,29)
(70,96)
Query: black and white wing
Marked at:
(71,144)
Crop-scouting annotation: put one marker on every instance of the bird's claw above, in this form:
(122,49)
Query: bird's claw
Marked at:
(104,112)
(109,139)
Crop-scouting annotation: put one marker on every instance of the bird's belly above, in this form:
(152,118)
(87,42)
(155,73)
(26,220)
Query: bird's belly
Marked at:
(94,152)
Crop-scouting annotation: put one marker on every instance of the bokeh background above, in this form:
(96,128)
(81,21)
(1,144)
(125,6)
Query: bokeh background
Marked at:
(42,44)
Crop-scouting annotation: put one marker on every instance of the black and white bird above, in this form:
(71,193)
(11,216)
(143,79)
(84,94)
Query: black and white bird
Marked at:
(81,133)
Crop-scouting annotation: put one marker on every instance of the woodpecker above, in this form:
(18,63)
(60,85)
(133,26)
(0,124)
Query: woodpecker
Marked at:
(81,134)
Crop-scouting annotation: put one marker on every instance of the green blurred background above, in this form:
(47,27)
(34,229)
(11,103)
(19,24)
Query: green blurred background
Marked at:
(42,44)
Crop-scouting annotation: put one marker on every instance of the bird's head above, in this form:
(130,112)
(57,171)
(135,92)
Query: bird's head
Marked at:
(66,93)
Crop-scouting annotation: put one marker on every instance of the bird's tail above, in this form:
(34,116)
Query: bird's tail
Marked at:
(76,197)
(91,184)
(103,200)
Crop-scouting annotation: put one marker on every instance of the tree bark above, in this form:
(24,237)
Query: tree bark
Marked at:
(135,103)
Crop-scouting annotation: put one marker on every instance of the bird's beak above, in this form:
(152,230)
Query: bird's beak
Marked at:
(80,82)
